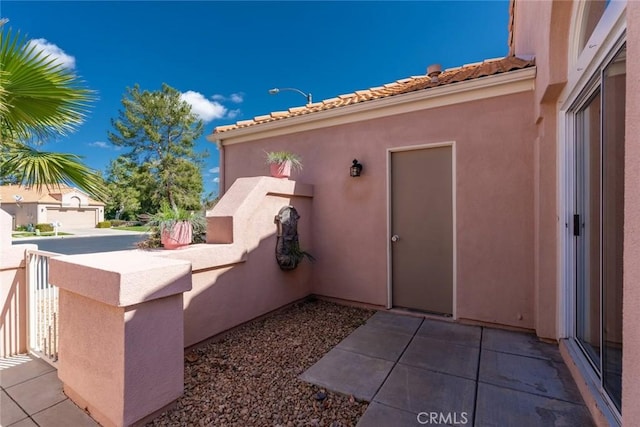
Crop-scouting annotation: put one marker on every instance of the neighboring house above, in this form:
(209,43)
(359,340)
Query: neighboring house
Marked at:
(504,192)
(69,206)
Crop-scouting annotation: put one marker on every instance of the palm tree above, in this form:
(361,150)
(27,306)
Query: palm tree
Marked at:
(39,99)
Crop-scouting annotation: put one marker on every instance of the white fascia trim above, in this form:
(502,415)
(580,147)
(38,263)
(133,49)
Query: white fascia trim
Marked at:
(472,90)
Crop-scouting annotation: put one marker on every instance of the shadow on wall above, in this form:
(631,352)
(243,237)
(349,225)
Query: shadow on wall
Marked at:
(224,297)
(13,315)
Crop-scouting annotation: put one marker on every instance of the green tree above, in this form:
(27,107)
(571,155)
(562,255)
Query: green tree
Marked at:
(39,99)
(123,200)
(160,132)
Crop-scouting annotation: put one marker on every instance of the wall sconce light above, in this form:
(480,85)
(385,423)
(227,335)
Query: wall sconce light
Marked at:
(355,169)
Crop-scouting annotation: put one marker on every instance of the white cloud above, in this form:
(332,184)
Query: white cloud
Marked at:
(105,145)
(236,98)
(54,52)
(233,114)
(216,179)
(214,170)
(203,108)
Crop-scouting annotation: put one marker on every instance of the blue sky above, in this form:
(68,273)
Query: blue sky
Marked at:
(224,56)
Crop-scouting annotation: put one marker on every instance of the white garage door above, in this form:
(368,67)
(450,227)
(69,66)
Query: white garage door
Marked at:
(73,218)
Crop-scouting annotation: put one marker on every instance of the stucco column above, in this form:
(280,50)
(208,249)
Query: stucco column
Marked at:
(121,333)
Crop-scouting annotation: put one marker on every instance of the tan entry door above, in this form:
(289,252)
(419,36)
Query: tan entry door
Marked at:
(422,229)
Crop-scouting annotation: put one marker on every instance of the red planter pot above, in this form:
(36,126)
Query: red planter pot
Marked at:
(281,170)
(178,236)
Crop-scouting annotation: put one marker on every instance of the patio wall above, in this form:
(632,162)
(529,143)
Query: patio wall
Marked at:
(13,291)
(239,281)
(349,218)
(178,297)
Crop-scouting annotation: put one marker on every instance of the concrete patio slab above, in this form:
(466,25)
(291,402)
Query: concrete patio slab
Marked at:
(372,340)
(27,422)
(379,415)
(417,390)
(38,393)
(349,373)
(24,369)
(451,332)
(529,374)
(519,343)
(442,356)
(497,406)
(64,414)
(395,322)
(11,413)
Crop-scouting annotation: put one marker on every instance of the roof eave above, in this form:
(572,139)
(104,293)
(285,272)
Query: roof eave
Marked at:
(511,82)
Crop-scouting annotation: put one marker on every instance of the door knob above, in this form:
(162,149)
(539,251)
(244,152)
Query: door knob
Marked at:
(395,238)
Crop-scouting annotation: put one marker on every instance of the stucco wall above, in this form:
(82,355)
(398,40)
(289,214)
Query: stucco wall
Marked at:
(542,30)
(494,184)
(13,291)
(631,303)
(224,297)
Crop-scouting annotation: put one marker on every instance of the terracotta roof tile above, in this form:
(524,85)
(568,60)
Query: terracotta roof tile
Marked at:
(476,70)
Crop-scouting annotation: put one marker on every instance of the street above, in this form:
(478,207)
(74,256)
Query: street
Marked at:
(85,245)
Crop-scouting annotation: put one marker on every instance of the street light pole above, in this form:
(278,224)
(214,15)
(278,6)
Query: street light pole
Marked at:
(277,90)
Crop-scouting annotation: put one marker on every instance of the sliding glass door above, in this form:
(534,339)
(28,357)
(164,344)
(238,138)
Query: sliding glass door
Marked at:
(598,223)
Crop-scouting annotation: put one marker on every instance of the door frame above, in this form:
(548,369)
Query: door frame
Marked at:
(584,76)
(390,152)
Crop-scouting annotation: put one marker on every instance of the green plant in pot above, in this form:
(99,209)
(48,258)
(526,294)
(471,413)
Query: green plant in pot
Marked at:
(174,225)
(281,163)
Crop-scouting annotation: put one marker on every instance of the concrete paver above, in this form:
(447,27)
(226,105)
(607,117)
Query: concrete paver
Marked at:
(27,422)
(518,343)
(64,414)
(32,396)
(11,413)
(38,393)
(442,356)
(375,342)
(349,373)
(451,374)
(450,332)
(420,390)
(380,415)
(25,369)
(395,323)
(529,374)
(499,406)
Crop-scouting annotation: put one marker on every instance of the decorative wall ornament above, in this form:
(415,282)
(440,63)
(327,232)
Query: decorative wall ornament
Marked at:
(288,252)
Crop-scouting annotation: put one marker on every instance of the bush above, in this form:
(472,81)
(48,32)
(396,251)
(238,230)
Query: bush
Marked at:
(104,224)
(44,228)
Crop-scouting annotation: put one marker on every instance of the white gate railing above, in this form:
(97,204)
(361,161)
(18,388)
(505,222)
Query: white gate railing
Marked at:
(42,307)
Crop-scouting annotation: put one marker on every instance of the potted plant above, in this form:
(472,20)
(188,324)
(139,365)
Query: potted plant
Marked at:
(174,225)
(282,163)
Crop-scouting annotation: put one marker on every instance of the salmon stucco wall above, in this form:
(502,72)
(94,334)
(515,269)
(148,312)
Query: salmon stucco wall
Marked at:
(224,296)
(13,291)
(494,183)
(631,283)
(542,30)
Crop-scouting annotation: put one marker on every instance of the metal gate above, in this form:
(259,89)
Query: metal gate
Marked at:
(42,307)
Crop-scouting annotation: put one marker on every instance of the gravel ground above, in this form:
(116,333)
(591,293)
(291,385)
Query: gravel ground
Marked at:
(250,378)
